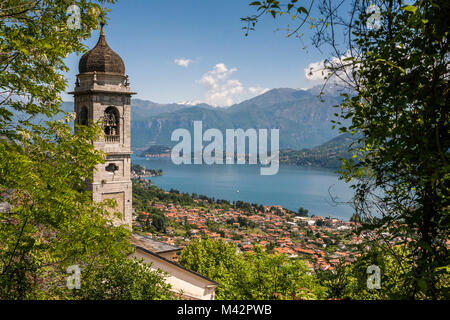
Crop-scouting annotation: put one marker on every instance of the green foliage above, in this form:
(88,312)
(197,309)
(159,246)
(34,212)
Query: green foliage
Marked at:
(302,212)
(398,76)
(142,170)
(296,10)
(35,40)
(124,279)
(256,275)
(53,222)
(155,150)
(327,155)
(145,194)
(402,114)
(350,281)
(216,260)
(159,222)
(50,221)
(153,221)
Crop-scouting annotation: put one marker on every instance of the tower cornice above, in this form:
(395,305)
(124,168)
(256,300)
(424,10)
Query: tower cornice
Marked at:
(93,91)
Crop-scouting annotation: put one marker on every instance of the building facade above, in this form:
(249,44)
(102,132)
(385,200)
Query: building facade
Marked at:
(102,95)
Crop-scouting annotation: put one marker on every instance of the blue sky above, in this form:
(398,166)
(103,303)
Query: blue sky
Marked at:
(224,66)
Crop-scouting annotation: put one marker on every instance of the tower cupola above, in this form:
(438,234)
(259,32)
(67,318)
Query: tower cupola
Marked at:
(101,58)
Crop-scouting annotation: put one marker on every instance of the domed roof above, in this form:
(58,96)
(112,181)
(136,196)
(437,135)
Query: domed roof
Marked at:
(101,58)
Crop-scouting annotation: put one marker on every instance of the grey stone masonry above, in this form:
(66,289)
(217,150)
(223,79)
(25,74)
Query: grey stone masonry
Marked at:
(104,97)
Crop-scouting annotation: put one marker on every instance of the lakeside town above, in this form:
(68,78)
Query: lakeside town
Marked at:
(138,171)
(176,218)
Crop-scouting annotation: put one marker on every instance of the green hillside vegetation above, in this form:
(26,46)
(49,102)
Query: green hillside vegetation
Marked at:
(327,155)
(251,276)
(142,171)
(155,150)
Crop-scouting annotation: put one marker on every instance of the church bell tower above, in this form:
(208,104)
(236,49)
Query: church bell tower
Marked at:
(102,93)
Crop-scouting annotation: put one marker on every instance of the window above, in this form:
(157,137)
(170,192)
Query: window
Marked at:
(111,121)
(112,167)
(83,116)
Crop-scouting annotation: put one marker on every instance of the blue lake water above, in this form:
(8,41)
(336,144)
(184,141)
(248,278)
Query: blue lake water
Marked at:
(292,187)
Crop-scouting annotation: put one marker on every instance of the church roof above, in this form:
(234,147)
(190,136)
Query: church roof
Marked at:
(152,244)
(101,58)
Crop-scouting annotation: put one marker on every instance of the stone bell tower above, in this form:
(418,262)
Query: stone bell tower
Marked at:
(102,93)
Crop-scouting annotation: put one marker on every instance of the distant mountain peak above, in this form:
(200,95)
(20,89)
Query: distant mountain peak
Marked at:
(329,89)
(303,119)
(191,102)
(274,96)
(281,90)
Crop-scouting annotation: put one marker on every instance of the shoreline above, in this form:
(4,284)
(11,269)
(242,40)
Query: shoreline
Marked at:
(309,185)
(243,200)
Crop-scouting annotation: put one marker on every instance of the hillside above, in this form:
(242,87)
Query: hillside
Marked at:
(156,150)
(326,155)
(304,120)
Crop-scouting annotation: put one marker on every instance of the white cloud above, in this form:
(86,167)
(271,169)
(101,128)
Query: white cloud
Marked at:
(183,62)
(320,71)
(223,91)
(220,90)
(256,91)
(315,71)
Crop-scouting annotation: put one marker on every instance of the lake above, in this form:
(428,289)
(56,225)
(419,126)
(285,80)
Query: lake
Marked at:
(292,187)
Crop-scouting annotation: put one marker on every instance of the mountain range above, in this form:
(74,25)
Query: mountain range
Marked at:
(303,118)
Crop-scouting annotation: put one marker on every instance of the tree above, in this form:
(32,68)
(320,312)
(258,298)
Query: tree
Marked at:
(355,218)
(216,260)
(394,60)
(50,222)
(35,39)
(124,279)
(302,212)
(256,275)
(350,281)
(275,276)
(270,246)
(53,222)
(159,222)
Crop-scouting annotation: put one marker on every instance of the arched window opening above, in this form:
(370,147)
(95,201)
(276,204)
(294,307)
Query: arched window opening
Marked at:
(112,167)
(112,120)
(83,117)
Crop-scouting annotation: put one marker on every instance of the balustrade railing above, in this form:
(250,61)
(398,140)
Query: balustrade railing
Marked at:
(112,139)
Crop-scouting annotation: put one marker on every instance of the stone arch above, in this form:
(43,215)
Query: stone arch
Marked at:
(112,124)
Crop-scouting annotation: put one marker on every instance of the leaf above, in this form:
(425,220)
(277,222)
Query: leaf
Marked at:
(302,9)
(410,8)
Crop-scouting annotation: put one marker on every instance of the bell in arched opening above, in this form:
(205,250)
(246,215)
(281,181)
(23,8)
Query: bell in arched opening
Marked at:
(111,124)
